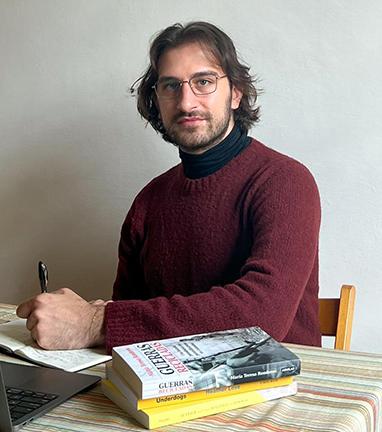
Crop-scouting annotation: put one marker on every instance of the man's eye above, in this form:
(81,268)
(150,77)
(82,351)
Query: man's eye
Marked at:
(203,82)
(171,86)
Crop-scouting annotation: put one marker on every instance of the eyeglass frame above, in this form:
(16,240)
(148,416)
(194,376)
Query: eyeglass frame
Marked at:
(182,82)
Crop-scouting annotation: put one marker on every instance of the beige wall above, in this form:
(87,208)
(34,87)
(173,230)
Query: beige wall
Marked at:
(73,151)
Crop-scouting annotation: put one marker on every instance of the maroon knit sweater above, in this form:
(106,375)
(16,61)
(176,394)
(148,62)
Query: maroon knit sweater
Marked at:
(234,249)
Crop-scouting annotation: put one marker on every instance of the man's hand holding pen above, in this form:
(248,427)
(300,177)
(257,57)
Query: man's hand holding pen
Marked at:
(64,320)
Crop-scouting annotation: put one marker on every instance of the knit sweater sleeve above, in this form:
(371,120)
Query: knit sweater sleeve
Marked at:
(285,218)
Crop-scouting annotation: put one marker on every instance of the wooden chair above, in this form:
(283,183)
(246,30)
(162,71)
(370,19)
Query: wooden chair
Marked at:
(336,317)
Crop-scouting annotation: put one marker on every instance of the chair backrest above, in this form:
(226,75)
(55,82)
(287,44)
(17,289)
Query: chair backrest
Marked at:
(336,317)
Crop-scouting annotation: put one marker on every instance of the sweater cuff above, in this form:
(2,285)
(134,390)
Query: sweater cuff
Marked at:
(125,323)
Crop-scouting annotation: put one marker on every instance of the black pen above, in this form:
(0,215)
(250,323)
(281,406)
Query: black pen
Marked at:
(43,276)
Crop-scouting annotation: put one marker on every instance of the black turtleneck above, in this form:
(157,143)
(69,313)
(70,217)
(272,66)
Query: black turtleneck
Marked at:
(202,165)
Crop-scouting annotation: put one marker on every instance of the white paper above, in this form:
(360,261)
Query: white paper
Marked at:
(16,337)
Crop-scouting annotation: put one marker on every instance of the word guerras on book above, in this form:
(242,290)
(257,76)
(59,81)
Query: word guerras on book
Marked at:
(202,395)
(203,361)
(169,414)
(15,339)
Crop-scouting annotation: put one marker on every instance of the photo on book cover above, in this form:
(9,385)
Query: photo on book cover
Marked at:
(226,358)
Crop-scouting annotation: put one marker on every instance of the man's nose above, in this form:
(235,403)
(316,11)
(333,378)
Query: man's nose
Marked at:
(187,100)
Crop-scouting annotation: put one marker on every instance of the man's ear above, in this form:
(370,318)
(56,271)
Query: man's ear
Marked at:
(236,98)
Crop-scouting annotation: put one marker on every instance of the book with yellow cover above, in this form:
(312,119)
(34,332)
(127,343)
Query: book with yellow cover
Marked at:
(123,387)
(156,417)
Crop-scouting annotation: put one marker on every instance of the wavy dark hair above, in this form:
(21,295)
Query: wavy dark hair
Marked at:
(221,48)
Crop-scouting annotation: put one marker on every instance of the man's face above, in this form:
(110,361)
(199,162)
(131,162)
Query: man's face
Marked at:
(196,122)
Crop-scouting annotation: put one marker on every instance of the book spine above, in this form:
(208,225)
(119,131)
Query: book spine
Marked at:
(215,393)
(180,413)
(158,417)
(160,401)
(266,371)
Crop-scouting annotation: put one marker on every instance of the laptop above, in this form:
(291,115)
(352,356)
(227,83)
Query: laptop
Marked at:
(28,392)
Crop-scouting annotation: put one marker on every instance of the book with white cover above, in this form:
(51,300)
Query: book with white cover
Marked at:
(208,360)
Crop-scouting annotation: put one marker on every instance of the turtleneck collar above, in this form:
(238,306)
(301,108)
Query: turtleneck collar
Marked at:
(202,165)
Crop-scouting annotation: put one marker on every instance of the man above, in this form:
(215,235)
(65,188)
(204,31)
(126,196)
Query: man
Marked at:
(228,238)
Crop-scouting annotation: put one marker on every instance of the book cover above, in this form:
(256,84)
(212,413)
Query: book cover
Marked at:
(166,415)
(203,361)
(139,404)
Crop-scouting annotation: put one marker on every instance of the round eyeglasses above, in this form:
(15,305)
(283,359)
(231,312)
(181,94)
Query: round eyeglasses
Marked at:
(203,84)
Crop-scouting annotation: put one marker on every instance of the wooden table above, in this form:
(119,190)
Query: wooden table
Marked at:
(337,391)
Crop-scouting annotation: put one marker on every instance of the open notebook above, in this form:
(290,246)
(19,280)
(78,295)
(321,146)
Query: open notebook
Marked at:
(15,339)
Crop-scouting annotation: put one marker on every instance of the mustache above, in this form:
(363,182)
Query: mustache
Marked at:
(199,114)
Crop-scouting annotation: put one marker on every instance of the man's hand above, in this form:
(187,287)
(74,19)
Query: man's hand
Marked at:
(64,320)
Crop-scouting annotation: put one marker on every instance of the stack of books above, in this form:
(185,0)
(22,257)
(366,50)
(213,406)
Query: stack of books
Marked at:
(173,380)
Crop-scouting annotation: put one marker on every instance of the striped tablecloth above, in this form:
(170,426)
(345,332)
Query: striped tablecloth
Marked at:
(337,391)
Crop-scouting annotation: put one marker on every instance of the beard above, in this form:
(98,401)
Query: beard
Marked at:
(200,138)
